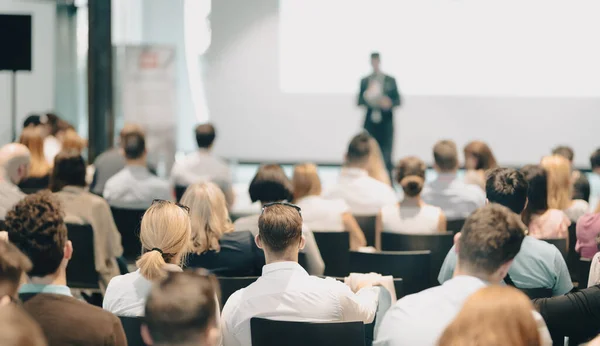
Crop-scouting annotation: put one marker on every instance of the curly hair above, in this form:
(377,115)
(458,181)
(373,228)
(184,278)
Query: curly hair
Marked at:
(36,226)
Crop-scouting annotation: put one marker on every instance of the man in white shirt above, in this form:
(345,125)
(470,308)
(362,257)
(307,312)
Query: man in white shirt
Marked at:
(14,167)
(285,291)
(135,187)
(487,245)
(364,195)
(456,198)
(203,165)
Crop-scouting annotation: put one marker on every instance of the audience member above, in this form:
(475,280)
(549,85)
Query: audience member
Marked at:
(269,185)
(165,234)
(135,187)
(478,159)
(577,177)
(285,291)
(486,246)
(560,188)
(214,244)
(494,316)
(203,165)
(19,329)
(538,264)
(39,169)
(182,310)
(71,141)
(595,179)
(543,222)
(83,207)
(412,215)
(364,195)
(36,226)
(13,266)
(320,214)
(376,167)
(456,198)
(588,230)
(14,167)
(53,127)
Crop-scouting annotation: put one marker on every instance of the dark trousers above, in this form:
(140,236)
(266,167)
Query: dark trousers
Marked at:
(383,133)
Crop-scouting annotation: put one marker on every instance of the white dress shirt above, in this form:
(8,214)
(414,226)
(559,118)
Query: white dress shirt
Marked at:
(314,261)
(135,187)
(421,318)
(365,195)
(411,220)
(9,196)
(456,198)
(320,214)
(286,292)
(201,166)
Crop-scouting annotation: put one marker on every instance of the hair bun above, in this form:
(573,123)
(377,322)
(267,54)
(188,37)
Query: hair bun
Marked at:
(412,185)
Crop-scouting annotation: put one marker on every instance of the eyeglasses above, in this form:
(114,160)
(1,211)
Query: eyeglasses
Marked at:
(282,203)
(162,201)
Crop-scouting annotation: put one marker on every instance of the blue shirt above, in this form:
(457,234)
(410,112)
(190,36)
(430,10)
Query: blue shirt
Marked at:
(537,265)
(37,288)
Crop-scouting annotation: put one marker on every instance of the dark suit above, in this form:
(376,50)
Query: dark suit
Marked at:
(382,131)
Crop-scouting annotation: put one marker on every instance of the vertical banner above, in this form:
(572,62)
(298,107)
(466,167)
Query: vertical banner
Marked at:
(148,98)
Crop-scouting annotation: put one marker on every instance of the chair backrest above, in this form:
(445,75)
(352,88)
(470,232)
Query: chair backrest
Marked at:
(179,191)
(367,224)
(131,326)
(2,225)
(128,223)
(335,251)
(584,272)
(276,333)
(413,267)
(572,255)
(560,243)
(81,271)
(439,244)
(455,226)
(535,293)
(229,285)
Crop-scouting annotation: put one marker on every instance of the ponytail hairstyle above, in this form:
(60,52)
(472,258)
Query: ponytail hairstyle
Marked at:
(165,234)
(411,175)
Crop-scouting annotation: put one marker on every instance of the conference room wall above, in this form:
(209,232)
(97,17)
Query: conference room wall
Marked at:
(35,89)
(258,122)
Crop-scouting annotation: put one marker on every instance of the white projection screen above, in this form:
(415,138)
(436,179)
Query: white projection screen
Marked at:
(523,75)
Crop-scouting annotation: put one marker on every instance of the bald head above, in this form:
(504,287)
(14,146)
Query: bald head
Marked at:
(14,162)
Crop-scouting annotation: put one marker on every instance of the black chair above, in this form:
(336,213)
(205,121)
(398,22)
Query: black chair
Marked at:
(235,216)
(81,271)
(560,243)
(455,226)
(128,224)
(572,255)
(302,260)
(131,326)
(2,225)
(535,293)
(584,272)
(271,333)
(179,191)
(412,266)
(367,224)
(335,251)
(439,245)
(232,284)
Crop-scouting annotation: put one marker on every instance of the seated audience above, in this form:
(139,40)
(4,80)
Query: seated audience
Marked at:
(13,266)
(376,166)
(36,226)
(588,230)
(478,159)
(135,187)
(447,191)
(412,215)
(320,214)
(486,246)
(578,178)
(14,167)
(215,246)
(269,185)
(285,291)
(165,234)
(595,179)
(364,195)
(538,264)
(183,310)
(494,316)
(39,169)
(71,141)
(203,165)
(560,188)
(82,207)
(543,222)
(17,328)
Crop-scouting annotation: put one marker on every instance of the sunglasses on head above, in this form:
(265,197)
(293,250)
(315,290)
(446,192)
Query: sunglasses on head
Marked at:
(282,203)
(162,201)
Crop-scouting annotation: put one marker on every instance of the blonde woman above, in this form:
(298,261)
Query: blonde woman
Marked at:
(560,188)
(165,234)
(214,244)
(39,169)
(320,214)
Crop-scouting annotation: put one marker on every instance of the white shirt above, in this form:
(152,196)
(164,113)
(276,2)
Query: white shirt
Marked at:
(135,187)
(577,209)
(364,195)
(201,166)
(286,292)
(314,261)
(9,196)
(411,220)
(320,214)
(456,198)
(421,318)
(126,294)
(52,147)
